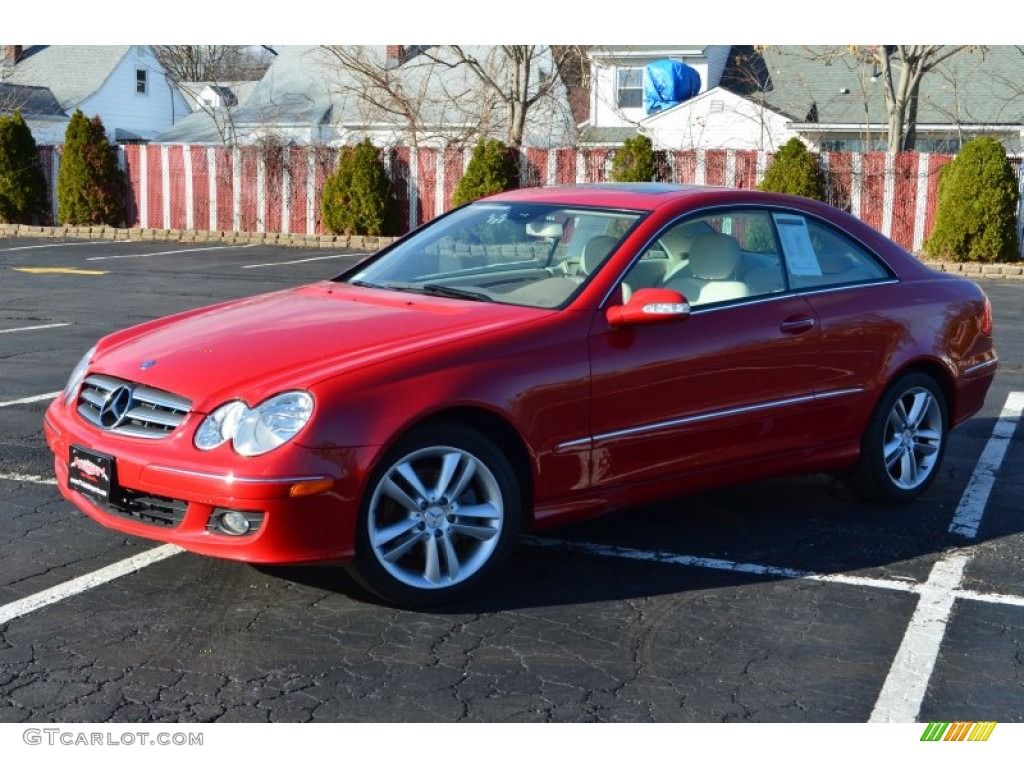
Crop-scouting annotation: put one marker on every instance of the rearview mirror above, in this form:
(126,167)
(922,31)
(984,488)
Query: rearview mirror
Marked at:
(550,229)
(648,306)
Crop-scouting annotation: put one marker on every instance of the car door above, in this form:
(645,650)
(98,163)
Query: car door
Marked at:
(860,313)
(731,383)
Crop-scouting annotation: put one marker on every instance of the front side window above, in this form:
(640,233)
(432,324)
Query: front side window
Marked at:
(630,87)
(720,257)
(514,253)
(140,81)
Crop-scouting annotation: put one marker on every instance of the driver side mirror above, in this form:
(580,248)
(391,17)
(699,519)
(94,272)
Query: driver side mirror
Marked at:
(649,306)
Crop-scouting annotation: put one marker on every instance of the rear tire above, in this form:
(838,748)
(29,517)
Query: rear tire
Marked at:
(439,519)
(904,442)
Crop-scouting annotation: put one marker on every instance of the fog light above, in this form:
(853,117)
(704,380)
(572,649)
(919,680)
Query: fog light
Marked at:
(234,523)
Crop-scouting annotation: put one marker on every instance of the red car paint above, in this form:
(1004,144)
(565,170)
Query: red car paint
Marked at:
(593,415)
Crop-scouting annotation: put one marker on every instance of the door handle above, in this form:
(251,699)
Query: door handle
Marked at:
(797,324)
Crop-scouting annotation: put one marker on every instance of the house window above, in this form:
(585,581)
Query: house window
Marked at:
(630,87)
(140,81)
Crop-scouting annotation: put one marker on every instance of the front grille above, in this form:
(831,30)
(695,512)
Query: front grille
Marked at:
(150,413)
(152,510)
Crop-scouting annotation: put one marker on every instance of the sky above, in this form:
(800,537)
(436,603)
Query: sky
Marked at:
(817,22)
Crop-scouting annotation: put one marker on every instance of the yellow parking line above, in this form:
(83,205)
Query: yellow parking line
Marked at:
(60,271)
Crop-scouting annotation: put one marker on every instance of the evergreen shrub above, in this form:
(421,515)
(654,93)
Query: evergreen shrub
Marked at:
(634,160)
(22,184)
(357,197)
(976,217)
(795,170)
(491,169)
(91,187)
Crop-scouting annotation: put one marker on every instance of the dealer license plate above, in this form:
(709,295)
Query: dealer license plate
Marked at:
(90,473)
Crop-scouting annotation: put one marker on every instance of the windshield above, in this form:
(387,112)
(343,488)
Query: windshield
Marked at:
(512,253)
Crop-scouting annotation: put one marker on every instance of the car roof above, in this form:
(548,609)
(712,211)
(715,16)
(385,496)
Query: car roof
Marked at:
(641,196)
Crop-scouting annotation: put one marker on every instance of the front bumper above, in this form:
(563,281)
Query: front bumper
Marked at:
(188,489)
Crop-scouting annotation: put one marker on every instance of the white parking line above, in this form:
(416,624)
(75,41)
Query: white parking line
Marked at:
(969,512)
(33,399)
(76,586)
(297,261)
(907,682)
(170,253)
(36,479)
(34,327)
(59,245)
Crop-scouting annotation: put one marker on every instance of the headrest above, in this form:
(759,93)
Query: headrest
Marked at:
(714,256)
(677,241)
(595,250)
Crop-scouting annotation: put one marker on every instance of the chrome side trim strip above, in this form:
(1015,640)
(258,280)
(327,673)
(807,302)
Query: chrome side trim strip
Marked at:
(230,479)
(709,416)
(980,367)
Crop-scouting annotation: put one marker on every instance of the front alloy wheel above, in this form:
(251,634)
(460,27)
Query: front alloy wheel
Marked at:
(440,517)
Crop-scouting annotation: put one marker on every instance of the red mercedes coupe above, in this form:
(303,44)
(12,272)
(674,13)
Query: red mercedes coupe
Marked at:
(536,357)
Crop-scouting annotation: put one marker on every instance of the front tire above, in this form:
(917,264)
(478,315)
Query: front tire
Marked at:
(439,518)
(904,443)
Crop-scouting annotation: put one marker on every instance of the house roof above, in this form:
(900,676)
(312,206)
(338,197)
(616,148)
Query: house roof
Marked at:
(30,100)
(307,86)
(232,92)
(644,51)
(819,85)
(594,136)
(719,97)
(73,73)
(291,91)
(204,126)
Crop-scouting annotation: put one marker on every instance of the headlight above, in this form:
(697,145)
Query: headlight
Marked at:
(71,388)
(254,431)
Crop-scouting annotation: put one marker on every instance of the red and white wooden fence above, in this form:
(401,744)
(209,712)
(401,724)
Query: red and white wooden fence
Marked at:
(277,189)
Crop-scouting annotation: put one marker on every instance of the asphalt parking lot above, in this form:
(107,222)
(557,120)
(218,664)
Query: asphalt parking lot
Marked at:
(780,601)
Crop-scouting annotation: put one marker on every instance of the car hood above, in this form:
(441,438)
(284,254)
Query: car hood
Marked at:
(253,348)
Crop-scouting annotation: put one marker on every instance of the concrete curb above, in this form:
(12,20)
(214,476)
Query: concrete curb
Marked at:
(136,234)
(1010,271)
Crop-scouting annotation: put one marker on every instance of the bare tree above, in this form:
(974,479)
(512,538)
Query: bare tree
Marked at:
(191,63)
(903,67)
(195,63)
(452,94)
(900,68)
(518,77)
(395,88)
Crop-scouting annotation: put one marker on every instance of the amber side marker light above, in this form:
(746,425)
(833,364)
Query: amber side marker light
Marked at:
(310,487)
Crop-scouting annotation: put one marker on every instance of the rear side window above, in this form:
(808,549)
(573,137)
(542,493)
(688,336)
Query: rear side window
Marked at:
(818,256)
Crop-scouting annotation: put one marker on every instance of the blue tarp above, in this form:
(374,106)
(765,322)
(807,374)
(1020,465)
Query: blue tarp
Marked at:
(667,83)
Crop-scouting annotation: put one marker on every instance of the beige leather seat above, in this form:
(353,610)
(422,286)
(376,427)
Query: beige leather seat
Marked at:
(710,275)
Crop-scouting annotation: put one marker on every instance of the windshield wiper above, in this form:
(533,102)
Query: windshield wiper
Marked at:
(430,289)
(436,289)
(366,284)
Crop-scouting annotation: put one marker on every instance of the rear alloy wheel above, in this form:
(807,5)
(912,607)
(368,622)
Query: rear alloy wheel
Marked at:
(440,517)
(904,443)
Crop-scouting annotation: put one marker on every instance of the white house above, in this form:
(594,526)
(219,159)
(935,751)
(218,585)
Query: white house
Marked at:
(311,95)
(714,118)
(718,119)
(124,84)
